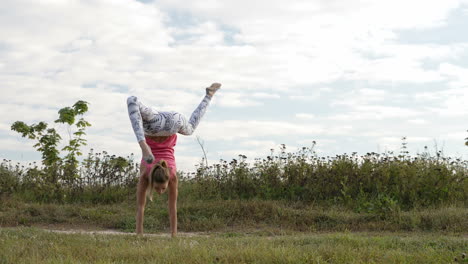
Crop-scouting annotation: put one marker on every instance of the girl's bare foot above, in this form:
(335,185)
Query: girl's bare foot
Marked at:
(210,91)
(146,151)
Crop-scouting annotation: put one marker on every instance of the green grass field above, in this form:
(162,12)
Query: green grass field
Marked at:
(224,216)
(230,232)
(32,245)
(291,208)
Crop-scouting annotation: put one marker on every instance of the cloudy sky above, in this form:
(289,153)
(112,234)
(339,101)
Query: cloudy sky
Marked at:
(350,75)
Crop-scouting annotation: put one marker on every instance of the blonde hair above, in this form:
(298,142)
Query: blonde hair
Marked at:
(159,173)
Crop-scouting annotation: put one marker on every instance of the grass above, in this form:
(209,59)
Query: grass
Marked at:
(227,215)
(31,245)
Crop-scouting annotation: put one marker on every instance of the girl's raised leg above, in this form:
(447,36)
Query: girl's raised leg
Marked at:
(189,127)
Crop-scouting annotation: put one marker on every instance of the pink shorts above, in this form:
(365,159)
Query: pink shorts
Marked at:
(163,151)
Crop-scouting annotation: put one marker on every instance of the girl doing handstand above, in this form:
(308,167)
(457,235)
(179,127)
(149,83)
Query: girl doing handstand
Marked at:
(156,133)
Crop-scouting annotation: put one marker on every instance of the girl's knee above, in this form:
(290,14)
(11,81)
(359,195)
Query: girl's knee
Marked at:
(186,131)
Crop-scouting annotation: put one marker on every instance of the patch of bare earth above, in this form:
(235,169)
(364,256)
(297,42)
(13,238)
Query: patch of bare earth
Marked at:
(114,232)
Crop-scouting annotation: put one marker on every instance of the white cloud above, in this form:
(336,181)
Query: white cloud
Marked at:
(457,74)
(305,116)
(265,95)
(234,129)
(255,148)
(304,97)
(458,136)
(417,121)
(359,97)
(228,99)
(312,94)
(266,144)
(381,13)
(26,113)
(455,104)
(11,144)
(338,34)
(371,112)
(204,34)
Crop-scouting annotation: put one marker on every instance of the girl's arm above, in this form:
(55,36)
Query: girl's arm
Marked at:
(141,200)
(133,107)
(137,113)
(173,191)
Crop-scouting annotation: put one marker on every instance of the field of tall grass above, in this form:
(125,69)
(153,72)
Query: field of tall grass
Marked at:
(285,191)
(373,183)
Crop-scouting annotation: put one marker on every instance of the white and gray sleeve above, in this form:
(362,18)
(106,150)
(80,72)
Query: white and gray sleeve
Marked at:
(138,113)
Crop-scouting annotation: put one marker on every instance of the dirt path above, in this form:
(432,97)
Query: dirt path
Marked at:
(114,232)
(86,231)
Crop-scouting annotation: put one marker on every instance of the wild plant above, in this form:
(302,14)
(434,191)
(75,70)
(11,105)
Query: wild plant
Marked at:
(382,183)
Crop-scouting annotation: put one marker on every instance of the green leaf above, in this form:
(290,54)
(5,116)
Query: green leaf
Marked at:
(83,123)
(66,115)
(39,127)
(80,107)
(79,133)
(23,129)
(67,148)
